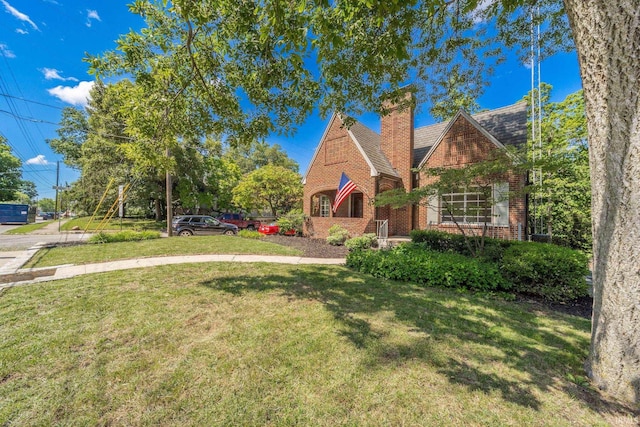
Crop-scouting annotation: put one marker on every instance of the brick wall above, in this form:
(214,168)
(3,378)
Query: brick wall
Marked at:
(337,154)
(464,144)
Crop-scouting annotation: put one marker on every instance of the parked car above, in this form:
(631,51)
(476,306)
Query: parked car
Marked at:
(273,228)
(201,225)
(240,221)
(48,215)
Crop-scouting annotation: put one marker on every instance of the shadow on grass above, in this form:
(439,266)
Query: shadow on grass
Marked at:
(495,332)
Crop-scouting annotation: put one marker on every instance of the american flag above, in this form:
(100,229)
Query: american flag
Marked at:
(344,189)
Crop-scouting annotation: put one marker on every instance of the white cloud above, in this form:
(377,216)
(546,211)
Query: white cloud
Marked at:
(38,160)
(6,52)
(21,31)
(19,15)
(481,8)
(92,14)
(53,74)
(76,95)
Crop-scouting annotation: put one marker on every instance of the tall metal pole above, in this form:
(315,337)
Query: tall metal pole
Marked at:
(57,187)
(169,201)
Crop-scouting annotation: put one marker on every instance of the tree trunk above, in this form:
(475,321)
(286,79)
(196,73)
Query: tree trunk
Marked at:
(607,37)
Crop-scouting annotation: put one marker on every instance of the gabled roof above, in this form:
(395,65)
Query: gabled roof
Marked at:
(503,126)
(367,142)
(507,125)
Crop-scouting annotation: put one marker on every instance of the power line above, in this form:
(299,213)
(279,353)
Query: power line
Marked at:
(6,95)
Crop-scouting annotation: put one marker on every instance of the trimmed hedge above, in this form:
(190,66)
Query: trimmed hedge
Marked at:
(414,264)
(436,258)
(366,241)
(448,242)
(552,272)
(124,236)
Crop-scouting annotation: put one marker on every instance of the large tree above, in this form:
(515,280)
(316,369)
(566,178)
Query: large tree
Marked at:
(275,189)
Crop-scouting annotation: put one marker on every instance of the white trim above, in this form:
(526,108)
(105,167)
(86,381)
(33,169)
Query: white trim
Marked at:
(473,122)
(315,154)
(374,172)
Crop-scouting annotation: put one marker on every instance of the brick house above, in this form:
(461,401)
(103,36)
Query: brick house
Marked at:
(376,163)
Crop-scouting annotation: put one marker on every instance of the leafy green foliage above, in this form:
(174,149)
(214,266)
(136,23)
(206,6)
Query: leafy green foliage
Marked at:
(549,271)
(293,220)
(366,241)
(124,236)
(272,188)
(337,235)
(561,194)
(553,272)
(414,264)
(46,205)
(250,234)
(441,241)
(259,154)
(10,174)
(481,176)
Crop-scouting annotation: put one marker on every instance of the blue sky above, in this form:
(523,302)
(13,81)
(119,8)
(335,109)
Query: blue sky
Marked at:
(42,46)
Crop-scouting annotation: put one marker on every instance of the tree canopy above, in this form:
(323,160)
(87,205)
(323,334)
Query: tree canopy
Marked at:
(275,189)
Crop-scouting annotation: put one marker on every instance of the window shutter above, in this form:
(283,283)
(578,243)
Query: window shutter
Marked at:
(501,204)
(432,210)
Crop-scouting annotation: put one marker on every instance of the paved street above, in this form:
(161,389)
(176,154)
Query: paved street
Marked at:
(11,245)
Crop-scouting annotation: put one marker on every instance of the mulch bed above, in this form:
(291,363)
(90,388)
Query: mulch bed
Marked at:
(311,248)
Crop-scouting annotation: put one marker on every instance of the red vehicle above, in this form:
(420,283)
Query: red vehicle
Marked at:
(239,221)
(273,228)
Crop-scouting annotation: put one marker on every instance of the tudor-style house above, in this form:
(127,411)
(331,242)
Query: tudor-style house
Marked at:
(376,163)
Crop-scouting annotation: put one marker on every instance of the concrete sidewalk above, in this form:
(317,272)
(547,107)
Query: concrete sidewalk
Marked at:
(68,271)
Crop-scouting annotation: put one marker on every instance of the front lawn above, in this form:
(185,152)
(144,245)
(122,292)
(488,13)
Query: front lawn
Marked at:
(196,245)
(115,224)
(236,344)
(28,228)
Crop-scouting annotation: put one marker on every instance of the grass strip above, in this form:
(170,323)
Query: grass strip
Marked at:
(196,245)
(28,228)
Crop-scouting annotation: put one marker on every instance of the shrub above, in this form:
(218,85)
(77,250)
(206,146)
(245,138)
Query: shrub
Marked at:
(294,220)
(440,241)
(250,234)
(414,264)
(123,236)
(337,235)
(448,242)
(366,241)
(553,272)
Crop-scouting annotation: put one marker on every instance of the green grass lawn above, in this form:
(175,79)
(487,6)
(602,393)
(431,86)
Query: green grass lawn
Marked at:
(28,228)
(114,224)
(90,253)
(232,344)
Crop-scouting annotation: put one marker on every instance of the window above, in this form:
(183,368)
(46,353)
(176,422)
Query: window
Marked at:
(320,205)
(470,207)
(325,206)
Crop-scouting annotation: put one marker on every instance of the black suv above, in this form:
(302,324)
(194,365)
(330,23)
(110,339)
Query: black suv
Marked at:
(201,225)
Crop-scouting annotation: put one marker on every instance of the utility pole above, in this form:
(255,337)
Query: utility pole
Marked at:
(57,187)
(169,200)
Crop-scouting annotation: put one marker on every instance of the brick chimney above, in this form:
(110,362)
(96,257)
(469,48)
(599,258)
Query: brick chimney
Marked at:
(396,143)
(396,135)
